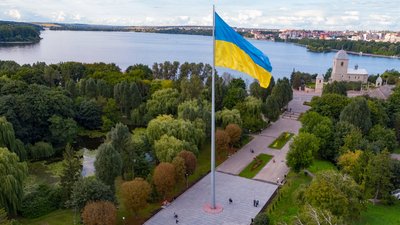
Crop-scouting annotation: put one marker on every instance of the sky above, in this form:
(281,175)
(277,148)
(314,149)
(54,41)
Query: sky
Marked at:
(277,14)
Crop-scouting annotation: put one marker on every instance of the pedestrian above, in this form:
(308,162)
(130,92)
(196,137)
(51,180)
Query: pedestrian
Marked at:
(230,201)
(252,221)
(254,202)
(176,221)
(258,202)
(175,216)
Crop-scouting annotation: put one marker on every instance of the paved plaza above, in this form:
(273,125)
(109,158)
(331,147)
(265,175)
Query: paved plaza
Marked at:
(189,206)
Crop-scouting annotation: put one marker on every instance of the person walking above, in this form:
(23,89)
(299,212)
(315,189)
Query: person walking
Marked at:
(230,201)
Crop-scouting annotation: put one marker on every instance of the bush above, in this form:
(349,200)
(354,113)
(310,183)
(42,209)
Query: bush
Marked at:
(261,219)
(41,150)
(42,201)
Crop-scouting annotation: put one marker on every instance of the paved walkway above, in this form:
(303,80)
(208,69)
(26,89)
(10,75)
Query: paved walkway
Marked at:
(237,162)
(243,191)
(396,156)
(272,171)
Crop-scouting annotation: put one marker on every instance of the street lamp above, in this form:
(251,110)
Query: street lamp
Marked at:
(187,184)
(123,220)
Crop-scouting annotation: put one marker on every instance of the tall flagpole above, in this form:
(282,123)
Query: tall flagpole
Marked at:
(213,120)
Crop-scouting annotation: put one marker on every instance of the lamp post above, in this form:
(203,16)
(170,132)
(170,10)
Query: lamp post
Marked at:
(187,184)
(123,220)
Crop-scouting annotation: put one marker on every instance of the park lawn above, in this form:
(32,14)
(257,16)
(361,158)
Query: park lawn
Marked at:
(58,217)
(250,171)
(281,140)
(380,215)
(321,165)
(284,206)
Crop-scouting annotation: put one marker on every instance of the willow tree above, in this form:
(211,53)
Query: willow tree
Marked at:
(12,175)
(8,140)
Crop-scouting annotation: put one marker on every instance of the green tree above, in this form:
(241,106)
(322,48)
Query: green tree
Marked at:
(8,140)
(335,88)
(127,96)
(89,189)
(12,176)
(358,114)
(108,164)
(227,116)
(71,171)
(62,130)
(164,101)
(89,115)
(234,96)
(259,92)
(272,108)
(314,216)
(301,152)
(135,194)
(330,105)
(191,88)
(41,150)
(382,138)
(167,148)
(378,176)
(337,193)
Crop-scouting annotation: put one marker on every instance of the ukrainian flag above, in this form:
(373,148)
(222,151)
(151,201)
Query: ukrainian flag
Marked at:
(232,51)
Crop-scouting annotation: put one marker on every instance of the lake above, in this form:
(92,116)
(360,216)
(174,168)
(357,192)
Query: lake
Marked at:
(128,48)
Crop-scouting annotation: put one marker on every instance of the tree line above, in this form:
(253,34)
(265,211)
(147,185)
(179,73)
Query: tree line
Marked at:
(370,47)
(19,32)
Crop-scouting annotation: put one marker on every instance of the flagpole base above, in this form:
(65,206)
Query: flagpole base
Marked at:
(209,209)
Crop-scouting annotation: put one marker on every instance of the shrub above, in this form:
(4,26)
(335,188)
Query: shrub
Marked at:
(102,212)
(42,201)
(41,150)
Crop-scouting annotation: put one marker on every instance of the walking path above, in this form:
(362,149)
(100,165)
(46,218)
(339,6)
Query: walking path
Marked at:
(189,206)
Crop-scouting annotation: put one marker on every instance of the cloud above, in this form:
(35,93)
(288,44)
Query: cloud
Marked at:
(14,14)
(59,16)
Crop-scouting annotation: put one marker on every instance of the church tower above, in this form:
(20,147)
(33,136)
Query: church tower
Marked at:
(340,65)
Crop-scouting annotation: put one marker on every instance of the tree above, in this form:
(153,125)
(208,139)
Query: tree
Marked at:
(378,176)
(62,130)
(190,161)
(349,163)
(227,116)
(135,194)
(180,169)
(272,108)
(330,105)
(71,171)
(314,216)
(251,114)
(3,217)
(382,138)
(261,219)
(108,164)
(337,193)
(353,141)
(358,114)
(234,132)
(99,213)
(164,179)
(8,140)
(12,176)
(222,141)
(259,92)
(191,88)
(127,96)
(164,101)
(322,128)
(89,189)
(335,88)
(41,150)
(167,148)
(89,115)
(234,96)
(301,152)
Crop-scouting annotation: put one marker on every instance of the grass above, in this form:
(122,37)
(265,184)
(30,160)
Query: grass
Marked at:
(397,151)
(255,166)
(380,214)
(321,165)
(283,207)
(59,217)
(281,140)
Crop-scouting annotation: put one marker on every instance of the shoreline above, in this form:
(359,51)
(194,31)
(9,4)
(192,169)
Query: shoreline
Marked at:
(349,52)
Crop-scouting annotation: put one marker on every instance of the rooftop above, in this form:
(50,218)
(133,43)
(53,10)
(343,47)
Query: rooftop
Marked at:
(357,71)
(341,55)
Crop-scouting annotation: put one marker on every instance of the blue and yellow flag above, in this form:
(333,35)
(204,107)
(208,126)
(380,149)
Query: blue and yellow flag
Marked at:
(232,51)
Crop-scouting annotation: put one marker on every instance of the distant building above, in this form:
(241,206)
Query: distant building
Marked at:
(319,83)
(378,82)
(341,72)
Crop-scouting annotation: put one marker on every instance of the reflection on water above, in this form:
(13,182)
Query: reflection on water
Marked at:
(88,162)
